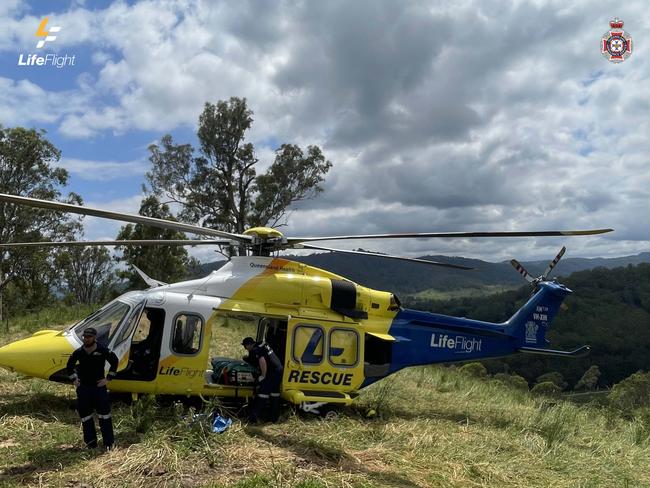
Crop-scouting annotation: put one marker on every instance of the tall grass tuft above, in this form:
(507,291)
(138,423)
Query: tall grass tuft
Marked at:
(555,423)
(143,413)
(641,427)
(378,396)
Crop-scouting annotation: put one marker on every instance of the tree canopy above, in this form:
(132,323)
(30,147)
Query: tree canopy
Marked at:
(86,273)
(218,185)
(27,168)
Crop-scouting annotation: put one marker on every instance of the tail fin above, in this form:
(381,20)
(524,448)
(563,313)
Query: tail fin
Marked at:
(148,280)
(530,323)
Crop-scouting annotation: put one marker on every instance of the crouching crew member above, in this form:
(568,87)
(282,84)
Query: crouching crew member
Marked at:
(86,370)
(269,381)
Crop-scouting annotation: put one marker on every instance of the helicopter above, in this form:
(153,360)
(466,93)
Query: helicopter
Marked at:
(333,336)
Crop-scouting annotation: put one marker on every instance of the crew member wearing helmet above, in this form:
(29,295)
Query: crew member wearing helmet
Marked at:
(261,355)
(86,370)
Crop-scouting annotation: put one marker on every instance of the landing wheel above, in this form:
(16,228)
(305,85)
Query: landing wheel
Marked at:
(326,411)
(330,413)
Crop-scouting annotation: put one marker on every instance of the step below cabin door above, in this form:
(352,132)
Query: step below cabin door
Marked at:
(323,357)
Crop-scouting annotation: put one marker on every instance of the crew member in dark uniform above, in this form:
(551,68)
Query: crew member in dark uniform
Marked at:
(261,355)
(86,370)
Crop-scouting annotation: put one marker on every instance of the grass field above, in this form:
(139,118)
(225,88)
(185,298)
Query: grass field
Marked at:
(434,427)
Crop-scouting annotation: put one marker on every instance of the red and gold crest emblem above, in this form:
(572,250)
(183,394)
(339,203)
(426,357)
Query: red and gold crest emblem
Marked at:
(616,44)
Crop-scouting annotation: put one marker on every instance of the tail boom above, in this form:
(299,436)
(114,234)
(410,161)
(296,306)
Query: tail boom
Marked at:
(427,338)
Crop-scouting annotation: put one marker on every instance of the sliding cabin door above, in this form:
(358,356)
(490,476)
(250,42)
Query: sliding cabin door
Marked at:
(323,357)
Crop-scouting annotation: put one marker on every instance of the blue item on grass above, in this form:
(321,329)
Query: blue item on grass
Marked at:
(221,424)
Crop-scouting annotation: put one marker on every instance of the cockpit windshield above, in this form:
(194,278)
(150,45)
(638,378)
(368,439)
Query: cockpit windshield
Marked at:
(106,321)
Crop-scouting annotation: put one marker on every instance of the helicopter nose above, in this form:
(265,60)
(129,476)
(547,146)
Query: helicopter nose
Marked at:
(8,357)
(39,355)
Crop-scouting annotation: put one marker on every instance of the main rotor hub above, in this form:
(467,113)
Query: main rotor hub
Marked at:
(263,233)
(265,240)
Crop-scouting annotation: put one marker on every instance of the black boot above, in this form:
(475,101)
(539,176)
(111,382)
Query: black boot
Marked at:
(90,434)
(275,407)
(106,425)
(258,408)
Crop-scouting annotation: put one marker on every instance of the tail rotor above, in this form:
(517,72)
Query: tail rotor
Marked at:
(543,277)
(553,263)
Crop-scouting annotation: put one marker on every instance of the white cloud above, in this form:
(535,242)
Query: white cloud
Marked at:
(104,170)
(23,102)
(462,116)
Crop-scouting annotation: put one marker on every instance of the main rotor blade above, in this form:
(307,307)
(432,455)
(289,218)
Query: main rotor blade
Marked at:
(134,242)
(125,217)
(552,264)
(388,256)
(543,233)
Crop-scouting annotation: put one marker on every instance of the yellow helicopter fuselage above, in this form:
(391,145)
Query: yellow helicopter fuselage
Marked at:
(333,337)
(306,307)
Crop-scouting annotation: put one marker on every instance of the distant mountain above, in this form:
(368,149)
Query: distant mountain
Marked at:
(405,278)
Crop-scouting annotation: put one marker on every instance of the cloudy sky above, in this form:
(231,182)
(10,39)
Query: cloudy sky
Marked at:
(437,116)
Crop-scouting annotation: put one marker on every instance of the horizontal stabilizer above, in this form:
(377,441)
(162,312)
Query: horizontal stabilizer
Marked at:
(576,353)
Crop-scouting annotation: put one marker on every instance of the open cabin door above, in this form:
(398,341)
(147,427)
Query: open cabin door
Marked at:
(120,343)
(143,345)
(323,361)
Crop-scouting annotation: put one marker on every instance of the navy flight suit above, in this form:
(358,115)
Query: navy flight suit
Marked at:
(88,368)
(270,385)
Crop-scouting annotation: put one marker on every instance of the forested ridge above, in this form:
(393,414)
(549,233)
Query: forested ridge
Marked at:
(609,310)
(410,278)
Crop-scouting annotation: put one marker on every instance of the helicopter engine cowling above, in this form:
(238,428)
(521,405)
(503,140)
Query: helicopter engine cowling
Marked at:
(299,285)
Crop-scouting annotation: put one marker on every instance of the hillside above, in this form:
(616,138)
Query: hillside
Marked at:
(609,310)
(435,428)
(409,278)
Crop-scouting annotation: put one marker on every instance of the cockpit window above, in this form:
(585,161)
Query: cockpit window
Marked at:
(105,321)
(130,324)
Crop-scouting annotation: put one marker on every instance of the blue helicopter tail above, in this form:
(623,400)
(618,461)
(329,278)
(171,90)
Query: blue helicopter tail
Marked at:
(530,323)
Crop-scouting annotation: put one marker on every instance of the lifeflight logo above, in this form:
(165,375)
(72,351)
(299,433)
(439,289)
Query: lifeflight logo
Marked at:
(49,59)
(41,32)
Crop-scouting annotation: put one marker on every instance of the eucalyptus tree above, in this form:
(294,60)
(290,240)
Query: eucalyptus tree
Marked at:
(28,168)
(217,185)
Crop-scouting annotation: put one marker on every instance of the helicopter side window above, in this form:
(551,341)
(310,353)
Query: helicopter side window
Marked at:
(308,344)
(187,333)
(344,347)
(105,322)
